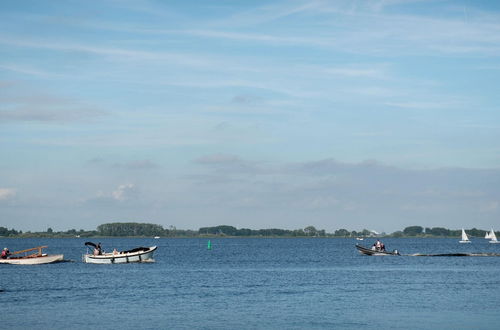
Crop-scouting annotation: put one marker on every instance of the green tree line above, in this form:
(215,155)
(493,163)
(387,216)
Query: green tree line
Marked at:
(224,230)
(131,229)
(419,231)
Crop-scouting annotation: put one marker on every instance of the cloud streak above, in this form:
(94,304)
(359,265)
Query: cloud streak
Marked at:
(22,103)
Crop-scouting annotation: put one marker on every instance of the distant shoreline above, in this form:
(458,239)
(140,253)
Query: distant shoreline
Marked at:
(221,237)
(145,230)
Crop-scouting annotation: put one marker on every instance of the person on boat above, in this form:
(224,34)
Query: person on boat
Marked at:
(382,246)
(5,253)
(98,250)
(378,245)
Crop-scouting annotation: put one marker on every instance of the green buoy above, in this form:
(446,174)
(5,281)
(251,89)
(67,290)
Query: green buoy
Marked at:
(209,245)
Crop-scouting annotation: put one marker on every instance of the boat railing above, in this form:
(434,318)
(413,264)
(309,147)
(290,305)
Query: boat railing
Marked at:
(39,248)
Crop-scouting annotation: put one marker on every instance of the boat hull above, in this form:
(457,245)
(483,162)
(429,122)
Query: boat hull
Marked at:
(37,260)
(369,252)
(121,258)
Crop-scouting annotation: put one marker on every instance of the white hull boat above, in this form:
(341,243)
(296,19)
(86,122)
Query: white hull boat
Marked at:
(140,254)
(465,238)
(375,252)
(33,259)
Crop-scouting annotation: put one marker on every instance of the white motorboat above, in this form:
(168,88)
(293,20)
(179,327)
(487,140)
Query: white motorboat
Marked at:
(37,258)
(139,254)
(465,238)
(374,252)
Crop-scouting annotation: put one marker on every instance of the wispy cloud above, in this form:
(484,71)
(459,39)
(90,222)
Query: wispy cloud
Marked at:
(422,105)
(267,13)
(137,165)
(218,159)
(369,29)
(123,194)
(26,70)
(271,39)
(23,103)
(7,193)
(144,164)
(355,72)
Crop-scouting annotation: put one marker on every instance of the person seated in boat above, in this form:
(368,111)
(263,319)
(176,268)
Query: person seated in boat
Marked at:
(98,250)
(5,253)
(382,246)
(378,245)
(115,251)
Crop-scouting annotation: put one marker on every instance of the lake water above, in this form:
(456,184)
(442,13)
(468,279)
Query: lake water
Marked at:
(255,284)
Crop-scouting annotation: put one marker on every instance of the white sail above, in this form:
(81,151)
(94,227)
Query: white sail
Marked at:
(487,235)
(493,237)
(465,238)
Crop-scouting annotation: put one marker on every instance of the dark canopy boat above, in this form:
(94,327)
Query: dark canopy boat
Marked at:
(375,252)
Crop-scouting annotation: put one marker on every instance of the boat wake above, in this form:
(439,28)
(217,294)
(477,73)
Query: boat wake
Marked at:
(455,255)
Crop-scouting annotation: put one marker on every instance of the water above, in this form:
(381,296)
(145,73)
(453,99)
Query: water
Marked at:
(255,283)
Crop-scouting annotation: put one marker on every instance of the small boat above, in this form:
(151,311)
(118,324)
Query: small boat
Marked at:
(465,238)
(139,254)
(493,237)
(37,258)
(375,252)
(487,235)
(359,238)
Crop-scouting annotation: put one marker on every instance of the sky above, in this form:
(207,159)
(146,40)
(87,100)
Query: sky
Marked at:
(256,114)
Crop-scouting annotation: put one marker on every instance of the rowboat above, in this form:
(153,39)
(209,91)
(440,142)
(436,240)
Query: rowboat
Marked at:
(374,252)
(37,258)
(139,254)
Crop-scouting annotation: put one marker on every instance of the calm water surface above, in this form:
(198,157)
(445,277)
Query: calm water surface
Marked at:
(255,283)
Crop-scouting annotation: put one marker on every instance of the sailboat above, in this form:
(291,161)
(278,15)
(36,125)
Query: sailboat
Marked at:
(493,237)
(487,235)
(465,238)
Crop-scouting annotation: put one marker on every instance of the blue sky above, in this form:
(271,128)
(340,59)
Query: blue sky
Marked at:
(258,114)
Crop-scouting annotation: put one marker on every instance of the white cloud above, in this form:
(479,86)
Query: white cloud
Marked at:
(124,192)
(7,193)
(127,192)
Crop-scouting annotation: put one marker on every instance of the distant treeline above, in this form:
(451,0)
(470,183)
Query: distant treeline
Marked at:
(135,229)
(418,231)
(309,231)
